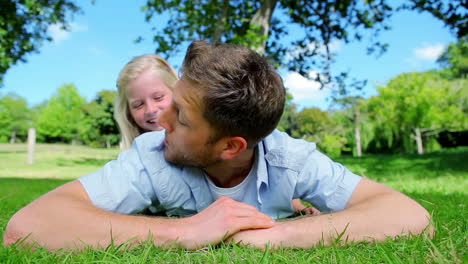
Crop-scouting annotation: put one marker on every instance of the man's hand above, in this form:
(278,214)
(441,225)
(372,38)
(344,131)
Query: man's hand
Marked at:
(365,218)
(220,220)
(310,211)
(43,222)
(277,236)
(302,209)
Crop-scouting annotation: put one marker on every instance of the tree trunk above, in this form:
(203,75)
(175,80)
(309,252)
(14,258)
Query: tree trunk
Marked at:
(419,141)
(108,145)
(13,136)
(31,145)
(357,131)
(262,18)
(221,22)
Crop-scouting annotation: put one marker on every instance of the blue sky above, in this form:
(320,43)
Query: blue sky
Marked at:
(102,41)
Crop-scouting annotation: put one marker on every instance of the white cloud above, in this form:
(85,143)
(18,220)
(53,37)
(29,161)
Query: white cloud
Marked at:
(429,52)
(302,88)
(335,46)
(59,34)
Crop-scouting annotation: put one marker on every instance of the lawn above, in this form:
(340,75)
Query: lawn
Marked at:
(439,181)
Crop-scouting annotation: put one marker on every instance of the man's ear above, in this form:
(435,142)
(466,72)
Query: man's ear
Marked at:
(233,146)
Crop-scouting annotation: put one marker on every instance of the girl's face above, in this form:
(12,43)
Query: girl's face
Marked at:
(148,96)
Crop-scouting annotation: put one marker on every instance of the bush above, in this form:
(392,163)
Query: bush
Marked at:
(332,144)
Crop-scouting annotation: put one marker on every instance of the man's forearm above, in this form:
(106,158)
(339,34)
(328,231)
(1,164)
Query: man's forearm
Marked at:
(59,220)
(376,217)
(65,218)
(367,221)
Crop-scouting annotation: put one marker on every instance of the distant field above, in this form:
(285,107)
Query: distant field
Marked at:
(439,181)
(53,161)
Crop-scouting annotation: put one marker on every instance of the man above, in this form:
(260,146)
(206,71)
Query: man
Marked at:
(220,163)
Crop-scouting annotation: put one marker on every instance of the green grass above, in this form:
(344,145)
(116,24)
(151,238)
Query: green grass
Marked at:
(439,181)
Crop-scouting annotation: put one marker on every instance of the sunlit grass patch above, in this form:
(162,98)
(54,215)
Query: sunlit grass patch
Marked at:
(438,181)
(52,161)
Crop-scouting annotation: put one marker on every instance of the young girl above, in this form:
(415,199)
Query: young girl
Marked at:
(144,91)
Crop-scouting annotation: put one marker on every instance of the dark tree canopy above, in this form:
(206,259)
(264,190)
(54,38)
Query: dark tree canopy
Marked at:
(454,13)
(260,24)
(23,27)
(455,59)
(101,127)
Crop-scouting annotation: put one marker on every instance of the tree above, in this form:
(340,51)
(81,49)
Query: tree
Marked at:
(261,24)
(353,104)
(253,23)
(316,125)
(414,106)
(453,13)
(15,118)
(355,122)
(313,124)
(101,128)
(289,121)
(62,117)
(24,24)
(455,59)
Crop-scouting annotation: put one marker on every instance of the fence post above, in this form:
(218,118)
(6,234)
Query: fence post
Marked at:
(31,144)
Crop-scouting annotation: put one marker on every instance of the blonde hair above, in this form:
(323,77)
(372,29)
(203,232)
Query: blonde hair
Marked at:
(129,130)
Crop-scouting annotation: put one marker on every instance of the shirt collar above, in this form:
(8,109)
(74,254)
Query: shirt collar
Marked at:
(200,190)
(194,177)
(260,168)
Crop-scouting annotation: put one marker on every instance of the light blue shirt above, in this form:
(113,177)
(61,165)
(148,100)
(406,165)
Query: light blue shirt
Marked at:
(285,168)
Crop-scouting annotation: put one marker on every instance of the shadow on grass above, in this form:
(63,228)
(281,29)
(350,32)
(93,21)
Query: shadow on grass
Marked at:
(81,161)
(15,193)
(12,151)
(18,192)
(425,166)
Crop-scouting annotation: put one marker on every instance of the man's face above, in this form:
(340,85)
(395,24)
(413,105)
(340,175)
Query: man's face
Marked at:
(187,132)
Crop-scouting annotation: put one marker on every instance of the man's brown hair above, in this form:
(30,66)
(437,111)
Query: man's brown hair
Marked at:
(242,94)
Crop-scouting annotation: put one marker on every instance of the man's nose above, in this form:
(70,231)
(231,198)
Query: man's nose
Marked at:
(165,119)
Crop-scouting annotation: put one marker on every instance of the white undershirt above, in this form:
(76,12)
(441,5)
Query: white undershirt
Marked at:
(237,192)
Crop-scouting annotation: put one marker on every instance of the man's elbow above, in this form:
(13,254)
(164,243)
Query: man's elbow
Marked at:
(421,222)
(11,234)
(14,231)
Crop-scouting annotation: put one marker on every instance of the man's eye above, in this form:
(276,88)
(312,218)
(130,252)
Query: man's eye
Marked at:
(180,122)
